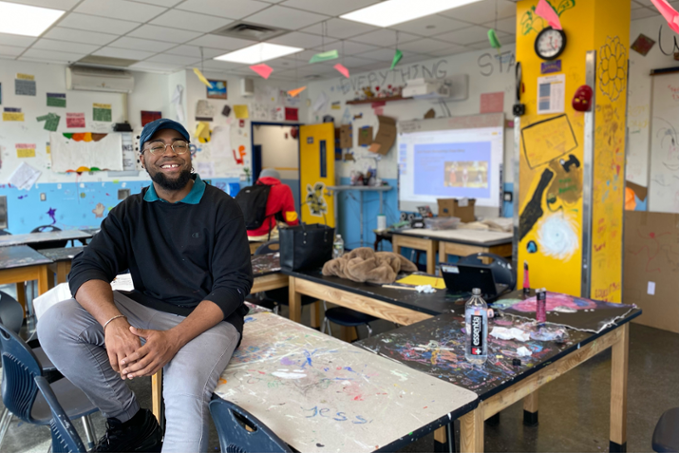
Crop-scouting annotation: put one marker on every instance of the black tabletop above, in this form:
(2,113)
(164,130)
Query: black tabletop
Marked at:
(436,303)
(266,264)
(436,347)
(61,253)
(36,238)
(17,256)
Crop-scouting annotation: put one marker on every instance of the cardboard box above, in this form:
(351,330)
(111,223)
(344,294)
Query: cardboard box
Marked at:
(343,136)
(365,136)
(651,267)
(386,135)
(453,207)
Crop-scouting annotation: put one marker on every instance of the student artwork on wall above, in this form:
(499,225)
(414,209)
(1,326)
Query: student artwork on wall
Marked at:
(12,114)
(86,152)
(24,85)
(56,100)
(102,113)
(218,90)
(148,116)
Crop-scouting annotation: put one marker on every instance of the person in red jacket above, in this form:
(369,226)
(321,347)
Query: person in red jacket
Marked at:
(280,205)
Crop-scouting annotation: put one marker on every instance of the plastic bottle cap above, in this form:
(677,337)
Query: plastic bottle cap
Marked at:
(476,291)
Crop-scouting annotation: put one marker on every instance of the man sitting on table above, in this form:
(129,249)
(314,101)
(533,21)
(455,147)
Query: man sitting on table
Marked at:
(186,247)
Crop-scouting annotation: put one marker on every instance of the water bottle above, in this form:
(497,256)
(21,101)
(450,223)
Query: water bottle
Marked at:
(338,247)
(476,326)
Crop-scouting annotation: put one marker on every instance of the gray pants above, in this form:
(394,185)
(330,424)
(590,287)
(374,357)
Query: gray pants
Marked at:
(74,342)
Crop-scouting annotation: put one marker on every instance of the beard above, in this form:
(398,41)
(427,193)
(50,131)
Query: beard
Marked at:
(171,184)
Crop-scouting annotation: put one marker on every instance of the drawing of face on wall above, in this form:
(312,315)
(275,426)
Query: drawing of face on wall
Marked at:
(558,235)
(669,145)
(315,200)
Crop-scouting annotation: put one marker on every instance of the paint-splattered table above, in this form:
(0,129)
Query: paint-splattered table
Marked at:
(35,239)
(320,394)
(396,305)
(451,242)
(62,258)
(267,272)
(436,347)
(21,263)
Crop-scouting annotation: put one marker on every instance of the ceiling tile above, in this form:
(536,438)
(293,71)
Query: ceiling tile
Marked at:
(141,44)
(329,7)
(483,45)
(220,65)
(481,12)
(10,51)
(340,28)
(73,35)
(642,13)
(288,18)
(452,49)
(221,42)
(51,55)
(50,44)
(234,9)
(15,40)
(96,23)
(63,5)
(164,34)
(120,9)
(505,25)
(424,46)
(430,25)
(123,53)
(355,62)
(374,67)
(285,63)
(469,35)
(379,54)
(385,37)
(184,20)
(165,3)
(155,67)
(351,47)
(303,40)
(194,51)
(173,59)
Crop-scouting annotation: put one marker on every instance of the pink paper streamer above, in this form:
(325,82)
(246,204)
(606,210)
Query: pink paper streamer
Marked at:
(263,70)
(545,11)
(344,71)
(670,14)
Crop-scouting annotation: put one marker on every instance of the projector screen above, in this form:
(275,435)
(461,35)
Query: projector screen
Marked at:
(450,158)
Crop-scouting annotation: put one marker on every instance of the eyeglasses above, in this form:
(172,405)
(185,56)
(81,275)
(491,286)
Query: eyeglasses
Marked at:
(179,147)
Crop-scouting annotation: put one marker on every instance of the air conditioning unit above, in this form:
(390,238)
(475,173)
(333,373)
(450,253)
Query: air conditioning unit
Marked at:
(455,88)
(87,78)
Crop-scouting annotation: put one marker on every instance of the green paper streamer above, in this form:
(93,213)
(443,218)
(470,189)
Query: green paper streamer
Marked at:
(494,41)
(397,57)
(324,56)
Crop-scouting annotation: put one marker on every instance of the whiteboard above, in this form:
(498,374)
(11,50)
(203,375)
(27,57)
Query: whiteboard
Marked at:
(663,195)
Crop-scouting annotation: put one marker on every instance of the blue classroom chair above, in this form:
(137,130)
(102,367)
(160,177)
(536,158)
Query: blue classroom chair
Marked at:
(666,433)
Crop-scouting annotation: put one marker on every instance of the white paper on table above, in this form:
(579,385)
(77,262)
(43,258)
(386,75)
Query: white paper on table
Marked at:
(205,169)
(24,176)
(177,102)
(321,102)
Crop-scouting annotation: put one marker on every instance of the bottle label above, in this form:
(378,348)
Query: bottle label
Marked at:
(477,335)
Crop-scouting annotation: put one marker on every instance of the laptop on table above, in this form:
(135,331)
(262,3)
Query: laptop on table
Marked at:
(463,278)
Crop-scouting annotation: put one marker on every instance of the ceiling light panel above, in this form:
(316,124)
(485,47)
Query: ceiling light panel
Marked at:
(392,12)
(26,20)
(259,53)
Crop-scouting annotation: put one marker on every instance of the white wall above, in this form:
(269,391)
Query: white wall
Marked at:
(488,72)
(278,151)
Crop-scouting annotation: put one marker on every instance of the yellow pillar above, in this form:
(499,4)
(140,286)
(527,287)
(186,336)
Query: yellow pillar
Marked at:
(571,164)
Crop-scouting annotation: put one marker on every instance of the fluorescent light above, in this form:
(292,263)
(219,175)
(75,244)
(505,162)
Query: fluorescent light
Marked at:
(258,53)
(26,20)
(392,12)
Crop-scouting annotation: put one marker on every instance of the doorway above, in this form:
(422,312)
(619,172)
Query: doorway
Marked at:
(275,146)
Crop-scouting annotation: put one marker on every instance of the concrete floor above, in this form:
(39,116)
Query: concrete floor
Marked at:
(574,409)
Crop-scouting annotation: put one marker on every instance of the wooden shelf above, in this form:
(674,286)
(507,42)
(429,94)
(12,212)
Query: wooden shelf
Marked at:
(371,100)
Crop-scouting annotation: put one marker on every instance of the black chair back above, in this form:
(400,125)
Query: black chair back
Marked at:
(48,244)
(503,271)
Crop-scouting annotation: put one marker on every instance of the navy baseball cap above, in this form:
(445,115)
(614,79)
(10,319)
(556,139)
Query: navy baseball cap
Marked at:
(154,126)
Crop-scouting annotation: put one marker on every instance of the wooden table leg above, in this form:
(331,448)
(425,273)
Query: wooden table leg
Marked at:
(432,247)
(530,409)
(63,268)
(471,431)
(315,320)
(43,279)
(295,301)
(21,295)
(441,440)
(619,364)
(157,394)
(395,247)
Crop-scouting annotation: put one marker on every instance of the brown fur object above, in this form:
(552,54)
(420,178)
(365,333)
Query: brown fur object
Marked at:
(366,265)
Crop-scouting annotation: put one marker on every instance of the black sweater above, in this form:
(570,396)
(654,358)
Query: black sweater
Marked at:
(178,254)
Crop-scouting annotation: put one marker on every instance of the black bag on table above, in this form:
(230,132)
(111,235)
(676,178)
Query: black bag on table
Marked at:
(252,201)
(306,246)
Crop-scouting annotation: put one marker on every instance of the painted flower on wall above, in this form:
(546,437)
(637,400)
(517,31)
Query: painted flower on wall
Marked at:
(612,68)
(558,236)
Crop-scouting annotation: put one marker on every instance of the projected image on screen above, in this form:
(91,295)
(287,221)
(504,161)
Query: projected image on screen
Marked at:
(466,174)
(452,169)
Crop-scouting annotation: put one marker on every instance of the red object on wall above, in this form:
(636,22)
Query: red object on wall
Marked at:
(241,123)
(291,114)
(582,100)
(293,132)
